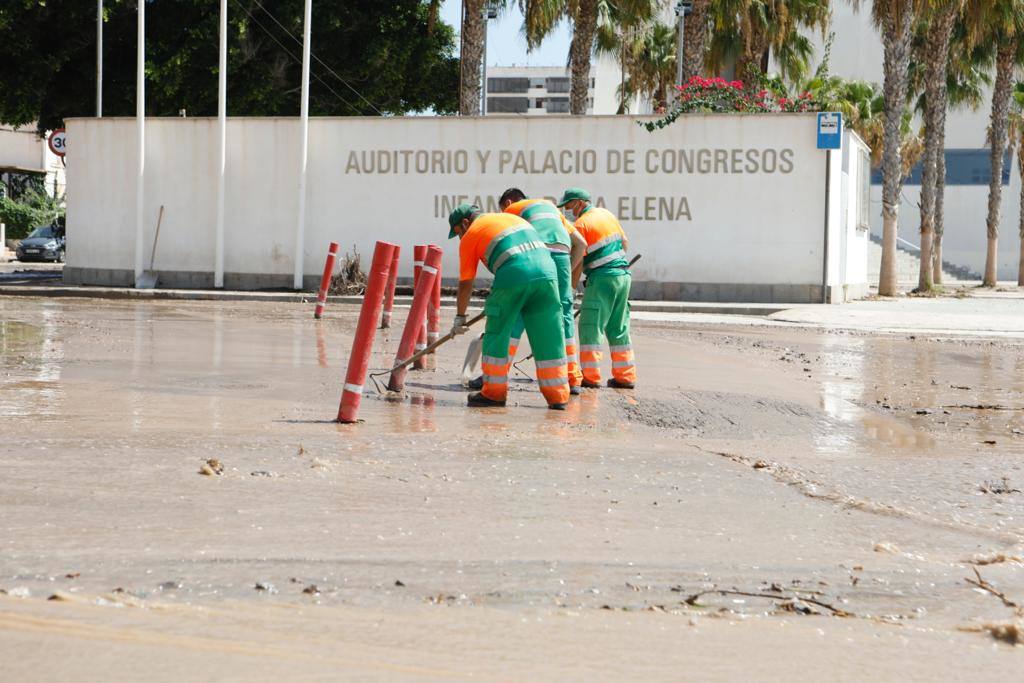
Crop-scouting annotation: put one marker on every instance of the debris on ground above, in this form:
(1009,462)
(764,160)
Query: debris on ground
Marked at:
(399,584)
(211,467)
(311,589)
(994,558)
(885,547)
(265,587)
(1007,632)
(987,587)
(261,473)
(350,278)
(1001,487)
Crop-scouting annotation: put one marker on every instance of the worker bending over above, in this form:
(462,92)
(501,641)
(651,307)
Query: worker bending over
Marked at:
(567,249)
(605,310)
(525,285)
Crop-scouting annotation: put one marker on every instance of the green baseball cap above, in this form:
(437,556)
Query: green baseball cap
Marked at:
(573,193)
(461,212)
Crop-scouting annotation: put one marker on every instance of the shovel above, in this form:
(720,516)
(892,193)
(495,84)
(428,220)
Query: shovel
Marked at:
(148,278)
(430,349)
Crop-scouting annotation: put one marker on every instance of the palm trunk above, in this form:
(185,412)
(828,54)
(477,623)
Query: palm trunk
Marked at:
(583,29)
(896,34)
(695,37)
(473,24)
(936,61)
(999,124)
(940,200)
(432,10)
(1020,223)
(622,74)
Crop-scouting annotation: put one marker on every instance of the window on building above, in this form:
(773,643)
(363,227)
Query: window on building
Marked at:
(508,85)
(557,84)
(507,105)
(963,167)
(537,82)
(558,105)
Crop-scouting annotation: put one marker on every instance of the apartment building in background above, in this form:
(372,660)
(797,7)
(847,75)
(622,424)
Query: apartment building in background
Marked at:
(531,90)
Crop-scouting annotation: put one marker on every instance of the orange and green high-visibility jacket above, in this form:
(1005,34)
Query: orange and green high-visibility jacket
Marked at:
(604,235)
(509,247)
(547,220)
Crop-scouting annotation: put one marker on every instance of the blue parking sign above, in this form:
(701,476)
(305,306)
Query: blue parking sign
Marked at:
(830,130)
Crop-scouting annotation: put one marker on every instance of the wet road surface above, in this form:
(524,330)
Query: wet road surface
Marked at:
(822,472)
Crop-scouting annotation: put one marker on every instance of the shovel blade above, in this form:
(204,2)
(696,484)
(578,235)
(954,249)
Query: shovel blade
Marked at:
(147,280)
(471,366)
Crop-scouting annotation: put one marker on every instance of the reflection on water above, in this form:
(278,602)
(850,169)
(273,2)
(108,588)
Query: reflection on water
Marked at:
(32,357)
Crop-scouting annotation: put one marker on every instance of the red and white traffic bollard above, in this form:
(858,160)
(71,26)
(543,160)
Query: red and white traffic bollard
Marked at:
(325,281)
(389,294)
(420,252)
(366,330)
(434,315)
(420,300)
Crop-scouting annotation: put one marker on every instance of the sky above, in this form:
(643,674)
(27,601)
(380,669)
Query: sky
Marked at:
(505,42)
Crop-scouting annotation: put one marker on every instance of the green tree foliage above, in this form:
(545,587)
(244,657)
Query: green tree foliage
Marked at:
(29,208)
(389,57)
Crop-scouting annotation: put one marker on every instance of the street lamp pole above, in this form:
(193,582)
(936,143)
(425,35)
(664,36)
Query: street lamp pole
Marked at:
(490,12)
(683,9)
(99,58)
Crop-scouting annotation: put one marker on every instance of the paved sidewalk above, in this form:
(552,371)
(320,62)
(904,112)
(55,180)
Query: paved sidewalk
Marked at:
(985,313)
(33,286)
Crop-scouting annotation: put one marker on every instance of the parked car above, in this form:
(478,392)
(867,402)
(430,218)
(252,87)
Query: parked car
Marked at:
(45,243)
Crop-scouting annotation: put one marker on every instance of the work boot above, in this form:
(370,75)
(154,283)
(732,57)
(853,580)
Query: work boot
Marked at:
(619,384)
(557,406)
(478,400)
(476,384)
(575,391)
(587,384)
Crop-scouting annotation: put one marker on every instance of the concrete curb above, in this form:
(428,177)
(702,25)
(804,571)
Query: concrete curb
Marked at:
(119,293)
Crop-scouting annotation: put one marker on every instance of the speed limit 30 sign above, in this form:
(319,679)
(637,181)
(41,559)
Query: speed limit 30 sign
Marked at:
(58,142)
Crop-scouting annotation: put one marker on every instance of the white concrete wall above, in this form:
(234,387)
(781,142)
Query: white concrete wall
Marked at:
(21,150)
(759,229)
(853,226)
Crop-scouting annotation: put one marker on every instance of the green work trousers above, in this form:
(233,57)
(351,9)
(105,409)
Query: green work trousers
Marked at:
(537,304)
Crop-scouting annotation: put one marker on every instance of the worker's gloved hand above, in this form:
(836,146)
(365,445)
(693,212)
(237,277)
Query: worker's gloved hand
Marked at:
(459,325)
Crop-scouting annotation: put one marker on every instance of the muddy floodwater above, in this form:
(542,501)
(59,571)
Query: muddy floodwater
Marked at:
(772,502)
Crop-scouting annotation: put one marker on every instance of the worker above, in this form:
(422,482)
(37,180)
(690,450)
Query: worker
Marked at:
(605,309)
(567,248)
(525,285)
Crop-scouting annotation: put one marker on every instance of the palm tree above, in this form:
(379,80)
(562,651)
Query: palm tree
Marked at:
(695,39)
(895,19)
(654,65)
(999,22)
(474,24)
(747,31)
(1017,138)
(966,78)
(541,17)
(621,28)
(931,50)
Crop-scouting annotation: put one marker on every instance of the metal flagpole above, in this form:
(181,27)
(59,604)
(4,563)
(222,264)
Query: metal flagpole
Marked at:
(99,58)
(140,128)
(300,227)
(222,124)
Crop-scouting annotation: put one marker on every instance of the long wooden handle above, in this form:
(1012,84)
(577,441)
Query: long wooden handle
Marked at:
(446,338)
(159,220)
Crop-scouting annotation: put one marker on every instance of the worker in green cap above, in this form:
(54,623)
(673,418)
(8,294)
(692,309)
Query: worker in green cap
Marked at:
(525,284)
(604,315)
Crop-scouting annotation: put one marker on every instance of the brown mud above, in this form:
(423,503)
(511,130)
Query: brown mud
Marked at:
(804,473)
